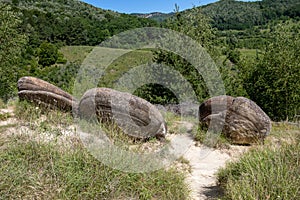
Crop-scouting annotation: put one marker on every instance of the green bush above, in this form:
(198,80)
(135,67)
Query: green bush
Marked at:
(195,25)
(273,81)
(48,54)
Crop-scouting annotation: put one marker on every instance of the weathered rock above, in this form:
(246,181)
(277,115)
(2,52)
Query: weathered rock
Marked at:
(246,122)
(135,116)
(45,94)
(243,122)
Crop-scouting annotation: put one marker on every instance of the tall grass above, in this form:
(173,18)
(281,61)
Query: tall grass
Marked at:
(31,170)
(33,115)
(37,169)
(271,172)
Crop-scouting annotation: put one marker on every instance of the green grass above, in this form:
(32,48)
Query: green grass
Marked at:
(76,53)
(250,53)
(2,104)
(4,116)
(123,64)
(266,172)
(41,117)
(32,170)
(112,63)
(210,139)
(36,169)
(111,130)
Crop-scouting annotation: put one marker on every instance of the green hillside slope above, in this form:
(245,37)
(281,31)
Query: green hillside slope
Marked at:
(72,22)
(231,14)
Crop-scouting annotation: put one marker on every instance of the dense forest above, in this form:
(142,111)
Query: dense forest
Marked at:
(45,26)
(70,22)
(245,22)
(238,15)
(32,33)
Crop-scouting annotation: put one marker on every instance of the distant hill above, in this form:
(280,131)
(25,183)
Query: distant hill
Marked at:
(231,14)
(157,16)
(72,22)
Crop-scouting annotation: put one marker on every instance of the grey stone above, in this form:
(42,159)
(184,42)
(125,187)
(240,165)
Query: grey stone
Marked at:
(240,119)
(215,105)
(135,116)
(45,94)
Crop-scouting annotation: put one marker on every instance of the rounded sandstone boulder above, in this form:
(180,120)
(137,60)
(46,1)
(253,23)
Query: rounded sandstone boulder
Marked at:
(135,116)
(43,93)
(240,119)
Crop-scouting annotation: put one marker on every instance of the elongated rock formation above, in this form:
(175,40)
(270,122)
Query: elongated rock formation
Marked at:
(45,94)
(135,116)
(240,119)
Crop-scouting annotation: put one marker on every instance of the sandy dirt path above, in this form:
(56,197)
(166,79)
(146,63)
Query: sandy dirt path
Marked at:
(204,163)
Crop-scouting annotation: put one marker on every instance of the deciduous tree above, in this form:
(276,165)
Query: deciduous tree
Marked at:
(11,43)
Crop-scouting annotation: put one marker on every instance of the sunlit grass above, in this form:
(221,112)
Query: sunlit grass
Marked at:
(76,53)
(33,168)
(266,172)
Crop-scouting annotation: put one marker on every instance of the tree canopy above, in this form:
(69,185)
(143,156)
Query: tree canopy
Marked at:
(11,42)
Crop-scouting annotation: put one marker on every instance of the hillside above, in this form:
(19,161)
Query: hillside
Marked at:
(72,22)
(231,14)
(157,16)
(32,31)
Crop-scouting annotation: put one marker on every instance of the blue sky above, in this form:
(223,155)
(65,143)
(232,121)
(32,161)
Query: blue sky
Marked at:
(146,6)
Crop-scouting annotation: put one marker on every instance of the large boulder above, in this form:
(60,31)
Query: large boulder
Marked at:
(135,116)
(45,94)
(240,119)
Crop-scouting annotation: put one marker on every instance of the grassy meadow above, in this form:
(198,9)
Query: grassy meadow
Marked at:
(76,53)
